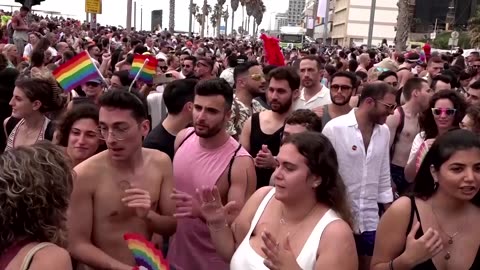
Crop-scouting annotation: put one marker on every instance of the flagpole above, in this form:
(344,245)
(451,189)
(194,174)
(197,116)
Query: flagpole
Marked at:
(138,74)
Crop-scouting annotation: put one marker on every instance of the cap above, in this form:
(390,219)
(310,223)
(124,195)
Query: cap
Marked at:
(412,58)
(241,59)
(97,80)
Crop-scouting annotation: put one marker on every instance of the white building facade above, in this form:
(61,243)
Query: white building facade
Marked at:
(351,20)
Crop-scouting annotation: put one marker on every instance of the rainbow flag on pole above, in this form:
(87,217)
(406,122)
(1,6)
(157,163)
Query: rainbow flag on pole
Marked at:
(76,72)
(149,70)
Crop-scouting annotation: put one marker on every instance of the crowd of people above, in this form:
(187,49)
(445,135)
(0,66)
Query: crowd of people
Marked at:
(341,158)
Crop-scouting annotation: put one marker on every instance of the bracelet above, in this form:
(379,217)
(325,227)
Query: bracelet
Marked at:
(217,228)
(391,265)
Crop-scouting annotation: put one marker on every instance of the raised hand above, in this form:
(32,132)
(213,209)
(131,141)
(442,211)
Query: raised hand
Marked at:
(211,206)
(186,206)
(279,257)
(420,250)
(139,199)
(265,159)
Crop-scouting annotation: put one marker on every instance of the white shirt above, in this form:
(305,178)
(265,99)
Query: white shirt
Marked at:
(319,99)
(227,75)
(27,52)
(366,176)
(417,142)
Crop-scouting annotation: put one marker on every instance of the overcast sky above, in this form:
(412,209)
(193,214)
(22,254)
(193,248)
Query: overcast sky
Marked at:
(115,11)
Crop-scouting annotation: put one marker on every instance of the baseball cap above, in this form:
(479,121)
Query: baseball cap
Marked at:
(96,80)
(412,58)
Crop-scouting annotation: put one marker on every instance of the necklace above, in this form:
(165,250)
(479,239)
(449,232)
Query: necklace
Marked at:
(450,237)
(284,222)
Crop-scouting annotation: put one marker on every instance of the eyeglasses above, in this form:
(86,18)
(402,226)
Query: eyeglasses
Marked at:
(257,77)
(390,107)
(440,111)
(343,88)
(117,133)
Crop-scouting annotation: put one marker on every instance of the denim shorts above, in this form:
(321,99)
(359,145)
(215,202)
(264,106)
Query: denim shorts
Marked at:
(365,243)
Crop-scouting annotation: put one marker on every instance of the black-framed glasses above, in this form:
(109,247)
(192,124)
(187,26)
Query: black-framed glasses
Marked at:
(117,133)
(92,84)
(440,111)
(390,107)
(186,66)
(343,88)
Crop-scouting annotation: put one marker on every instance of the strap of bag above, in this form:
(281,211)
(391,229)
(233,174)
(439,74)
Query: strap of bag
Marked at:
(398,131)
(28,258)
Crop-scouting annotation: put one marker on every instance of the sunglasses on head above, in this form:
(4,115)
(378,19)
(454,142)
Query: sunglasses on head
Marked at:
(440,111)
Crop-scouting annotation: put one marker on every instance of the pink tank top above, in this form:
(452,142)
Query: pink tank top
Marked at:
(191,247)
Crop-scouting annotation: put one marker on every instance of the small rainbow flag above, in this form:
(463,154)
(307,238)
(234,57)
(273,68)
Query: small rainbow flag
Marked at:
(149,70)
(145,254)
(75,72)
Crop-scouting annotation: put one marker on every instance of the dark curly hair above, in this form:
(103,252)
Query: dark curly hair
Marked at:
(426,120)
(322,161)
(80,111)
(35,186)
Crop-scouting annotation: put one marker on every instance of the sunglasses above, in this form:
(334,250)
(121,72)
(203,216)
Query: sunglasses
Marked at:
(440,111)
(163,67)
(186,66)
(257,77)
(390,107)
(92,84)
(343,88)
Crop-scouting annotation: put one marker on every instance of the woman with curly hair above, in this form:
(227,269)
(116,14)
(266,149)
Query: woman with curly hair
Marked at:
(32,100)
(446,111)
(78,132)
(35,186)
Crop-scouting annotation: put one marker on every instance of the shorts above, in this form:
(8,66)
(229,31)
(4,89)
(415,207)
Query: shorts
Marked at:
(365,242)
(398,177)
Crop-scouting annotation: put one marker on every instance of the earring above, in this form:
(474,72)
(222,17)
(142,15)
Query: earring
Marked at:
(435,186)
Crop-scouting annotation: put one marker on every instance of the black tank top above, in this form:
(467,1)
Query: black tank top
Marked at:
(257,138)
(428,265)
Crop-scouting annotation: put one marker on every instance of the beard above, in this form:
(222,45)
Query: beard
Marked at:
(280,107)
(340,103)
(204,131)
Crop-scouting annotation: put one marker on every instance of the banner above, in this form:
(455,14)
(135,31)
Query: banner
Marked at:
(322,8)
(93,6)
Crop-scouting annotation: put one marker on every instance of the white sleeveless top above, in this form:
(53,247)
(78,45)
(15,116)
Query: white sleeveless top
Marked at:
(246,258)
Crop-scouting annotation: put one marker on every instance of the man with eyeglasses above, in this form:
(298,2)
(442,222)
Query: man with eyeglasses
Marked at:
(342,87)
(403,125)
(93,89)
(204,68)
(360,139)
(124,189)
(250,83)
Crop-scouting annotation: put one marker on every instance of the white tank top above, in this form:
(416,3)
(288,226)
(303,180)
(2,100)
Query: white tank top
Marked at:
(246,258)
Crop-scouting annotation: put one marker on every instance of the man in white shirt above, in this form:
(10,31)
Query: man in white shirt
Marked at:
(361,141)
(313,94)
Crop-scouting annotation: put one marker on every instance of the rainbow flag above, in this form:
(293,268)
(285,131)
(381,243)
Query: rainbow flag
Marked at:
(76,72)
(149,70)
(146,255)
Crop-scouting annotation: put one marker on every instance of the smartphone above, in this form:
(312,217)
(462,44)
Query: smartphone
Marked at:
(163,79)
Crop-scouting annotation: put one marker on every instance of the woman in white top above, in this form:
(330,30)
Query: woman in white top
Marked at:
(301,223)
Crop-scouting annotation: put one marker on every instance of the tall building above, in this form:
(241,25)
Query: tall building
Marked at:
(295,12)
(281,19)
(351,22)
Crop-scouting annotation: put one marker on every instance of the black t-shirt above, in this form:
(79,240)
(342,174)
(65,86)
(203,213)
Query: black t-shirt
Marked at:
(161,140)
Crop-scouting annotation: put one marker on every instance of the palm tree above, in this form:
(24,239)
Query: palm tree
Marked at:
(206,9)
(225,16)
(474,30)
(250,7)
(258,15)
(403,25)
(194,10)
(171,21)
(234,5)
(214,19)
(243,3)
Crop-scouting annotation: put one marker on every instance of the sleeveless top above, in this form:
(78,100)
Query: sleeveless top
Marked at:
(193,167)
(257,138)
(428,265)
(12,135)
(246,258)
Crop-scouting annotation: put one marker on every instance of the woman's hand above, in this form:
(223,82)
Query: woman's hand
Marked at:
(424,248)
(279,257)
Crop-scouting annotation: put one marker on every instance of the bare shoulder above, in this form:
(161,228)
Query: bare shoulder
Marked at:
(337,230)
(180,137)
(51,257)
(399,208)
(257,197)
(90,170)
(156,156)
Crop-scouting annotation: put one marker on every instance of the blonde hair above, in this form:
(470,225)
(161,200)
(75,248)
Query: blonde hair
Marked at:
(35,186)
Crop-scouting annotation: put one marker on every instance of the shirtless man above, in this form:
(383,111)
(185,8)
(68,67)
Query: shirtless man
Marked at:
(123,189)
(403,125)
(404,72)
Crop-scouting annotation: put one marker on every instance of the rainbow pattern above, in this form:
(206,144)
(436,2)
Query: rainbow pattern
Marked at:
(149,70)
(422,152)
(145,254)
(76,71)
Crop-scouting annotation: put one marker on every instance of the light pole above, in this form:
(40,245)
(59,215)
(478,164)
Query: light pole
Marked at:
(129,16)
(190,18)
(141,17)
(135,15)
(326,21)
(370,27)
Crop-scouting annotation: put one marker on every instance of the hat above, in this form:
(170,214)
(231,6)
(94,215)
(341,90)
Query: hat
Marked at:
(412,58)
(96,80)
(242,59)
(387,64)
